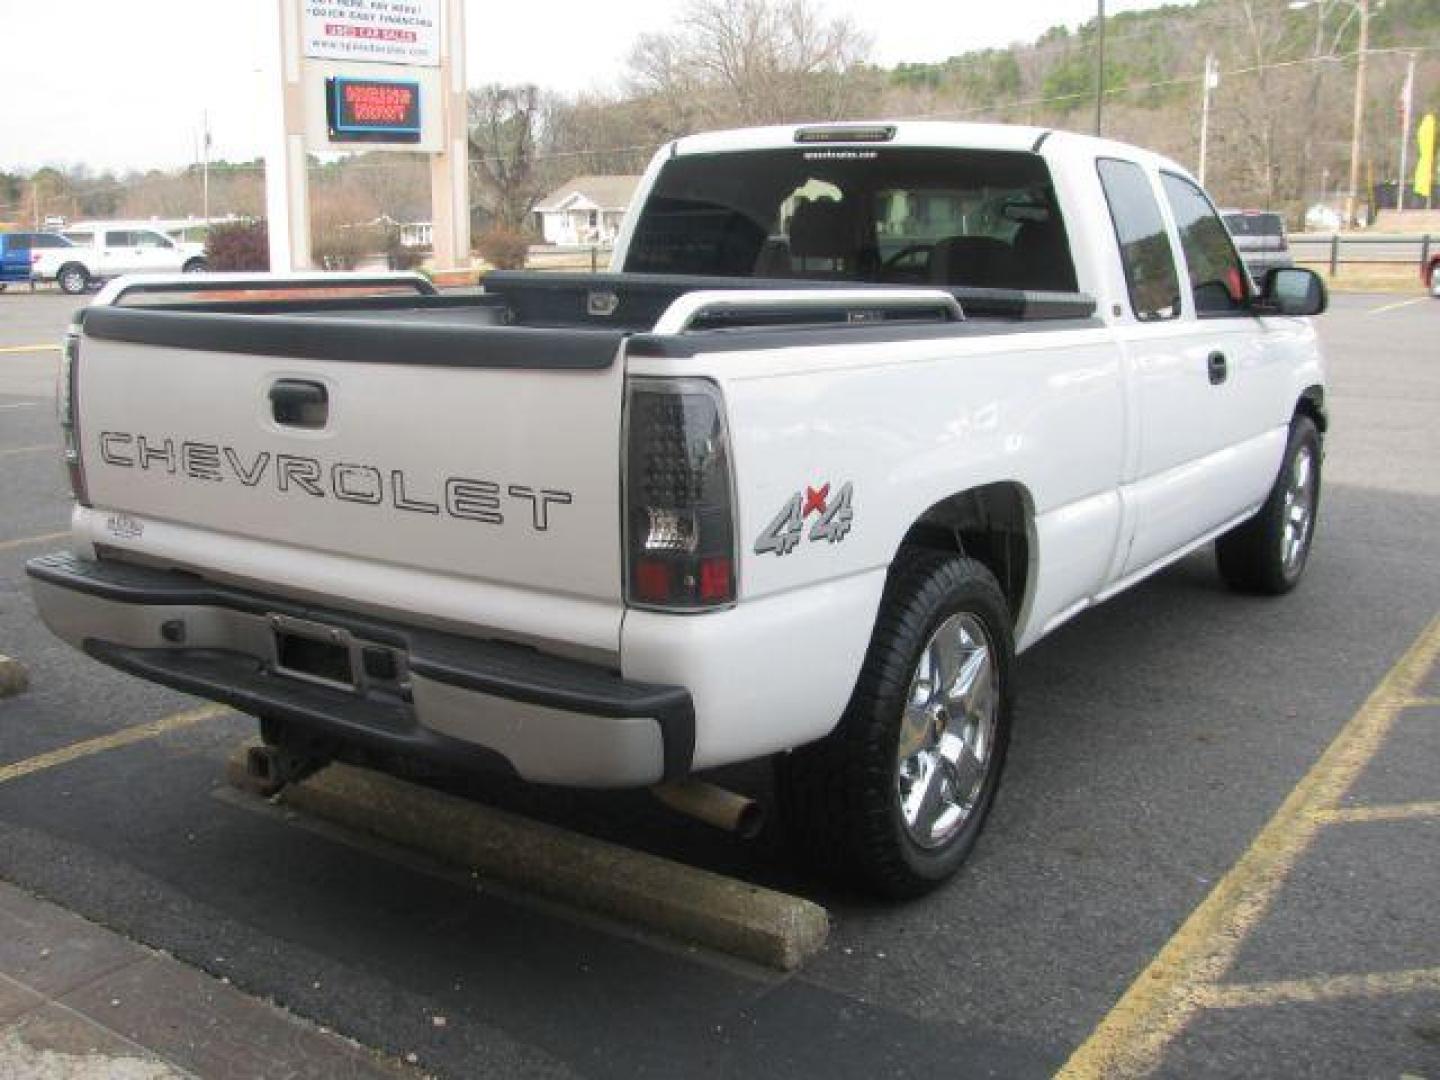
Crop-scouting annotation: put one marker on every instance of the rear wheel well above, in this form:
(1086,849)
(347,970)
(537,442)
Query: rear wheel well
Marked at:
(990,524)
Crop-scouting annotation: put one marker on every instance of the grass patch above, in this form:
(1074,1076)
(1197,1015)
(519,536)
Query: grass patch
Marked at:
(1402,278)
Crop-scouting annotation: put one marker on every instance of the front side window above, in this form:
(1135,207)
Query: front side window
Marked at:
(151,239)
(1217,278)
(971,218)
(1145,249)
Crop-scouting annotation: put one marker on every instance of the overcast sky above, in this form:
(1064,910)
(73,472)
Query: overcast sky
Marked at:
(123,83)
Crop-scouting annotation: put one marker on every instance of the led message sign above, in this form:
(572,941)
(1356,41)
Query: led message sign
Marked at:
(372,110)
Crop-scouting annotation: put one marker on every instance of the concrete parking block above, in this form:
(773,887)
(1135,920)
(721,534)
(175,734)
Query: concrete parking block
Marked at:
(14,679)
(731,916)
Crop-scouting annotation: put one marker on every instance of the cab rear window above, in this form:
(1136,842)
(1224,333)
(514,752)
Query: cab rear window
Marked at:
(974,218)
(1255,224)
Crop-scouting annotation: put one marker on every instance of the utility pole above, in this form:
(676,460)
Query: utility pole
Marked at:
(1100,68)
(1407,99)
(205,165)
(1363,7)
(1212,80)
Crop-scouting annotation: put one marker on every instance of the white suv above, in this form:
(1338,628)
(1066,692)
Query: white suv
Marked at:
(108,249)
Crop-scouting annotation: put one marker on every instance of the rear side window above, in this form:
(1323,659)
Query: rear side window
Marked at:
(119,239)
(1145,250)
(1217,277)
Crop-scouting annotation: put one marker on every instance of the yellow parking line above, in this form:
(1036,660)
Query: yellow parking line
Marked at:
(1325,988)
(123,737)
(26,541)
(1398,304)
(1132,1037)
(1391,812)
(28,449)
(28,348)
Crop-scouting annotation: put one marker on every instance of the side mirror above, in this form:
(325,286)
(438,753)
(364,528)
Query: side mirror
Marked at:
(1293,290)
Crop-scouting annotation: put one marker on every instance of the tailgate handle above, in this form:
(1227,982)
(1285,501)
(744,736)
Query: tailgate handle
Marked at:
(299,403)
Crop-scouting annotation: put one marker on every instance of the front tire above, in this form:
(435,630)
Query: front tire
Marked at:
(73,278)
(195,266)
(894,799)
(1435,280)
(1268,553)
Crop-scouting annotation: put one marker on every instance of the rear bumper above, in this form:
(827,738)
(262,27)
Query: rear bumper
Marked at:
(459,701)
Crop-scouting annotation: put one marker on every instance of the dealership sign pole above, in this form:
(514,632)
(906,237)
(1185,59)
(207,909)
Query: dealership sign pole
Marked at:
(367,75)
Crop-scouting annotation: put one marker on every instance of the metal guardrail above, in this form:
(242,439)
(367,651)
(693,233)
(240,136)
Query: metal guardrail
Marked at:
(1336,249)
(594,258)
(1383,249)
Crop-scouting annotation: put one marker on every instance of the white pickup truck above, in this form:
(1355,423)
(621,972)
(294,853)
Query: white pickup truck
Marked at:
(105,250)
(862,411)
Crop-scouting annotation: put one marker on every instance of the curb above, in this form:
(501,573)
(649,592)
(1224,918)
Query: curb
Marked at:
(749,921)
(14,679)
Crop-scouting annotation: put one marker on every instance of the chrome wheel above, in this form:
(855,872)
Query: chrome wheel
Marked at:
(1299,511)
(947,734)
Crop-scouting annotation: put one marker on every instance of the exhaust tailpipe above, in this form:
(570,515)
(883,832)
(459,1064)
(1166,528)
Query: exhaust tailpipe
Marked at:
(713,805)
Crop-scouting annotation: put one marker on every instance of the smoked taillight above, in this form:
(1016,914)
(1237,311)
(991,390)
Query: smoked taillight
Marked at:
(679,498)
(67,403)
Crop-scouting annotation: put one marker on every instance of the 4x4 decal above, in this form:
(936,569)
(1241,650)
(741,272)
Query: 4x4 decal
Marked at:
(833,519)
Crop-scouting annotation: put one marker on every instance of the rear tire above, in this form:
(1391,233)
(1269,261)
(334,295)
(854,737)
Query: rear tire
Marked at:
(73,278)
(1268,553)
(1435,280)
(894,799)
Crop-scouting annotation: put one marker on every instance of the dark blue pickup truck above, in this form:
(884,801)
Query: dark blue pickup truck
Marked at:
(16,251)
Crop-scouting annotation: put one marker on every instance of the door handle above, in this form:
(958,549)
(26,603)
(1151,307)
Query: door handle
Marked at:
(1217,367)
(299,403)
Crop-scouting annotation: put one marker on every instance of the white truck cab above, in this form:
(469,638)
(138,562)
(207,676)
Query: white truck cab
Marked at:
(861,411)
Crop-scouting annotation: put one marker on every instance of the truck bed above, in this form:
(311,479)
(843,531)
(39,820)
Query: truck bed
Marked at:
(531,320)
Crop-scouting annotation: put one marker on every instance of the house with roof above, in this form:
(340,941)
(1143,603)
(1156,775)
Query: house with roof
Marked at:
(586,210)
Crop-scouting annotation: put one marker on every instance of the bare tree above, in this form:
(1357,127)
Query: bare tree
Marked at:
(751,61)
(505,128)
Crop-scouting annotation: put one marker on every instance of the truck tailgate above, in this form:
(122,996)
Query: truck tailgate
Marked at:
(450,454)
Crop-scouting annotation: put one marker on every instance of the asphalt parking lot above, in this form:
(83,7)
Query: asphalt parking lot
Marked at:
(1216,852)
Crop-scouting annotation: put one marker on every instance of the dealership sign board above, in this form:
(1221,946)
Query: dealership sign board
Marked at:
(372,31)
(366,75)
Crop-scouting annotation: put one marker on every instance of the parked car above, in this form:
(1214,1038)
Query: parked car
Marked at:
(608,530)
(1430,275)
(104,250)
(1260,238)
(21,251)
